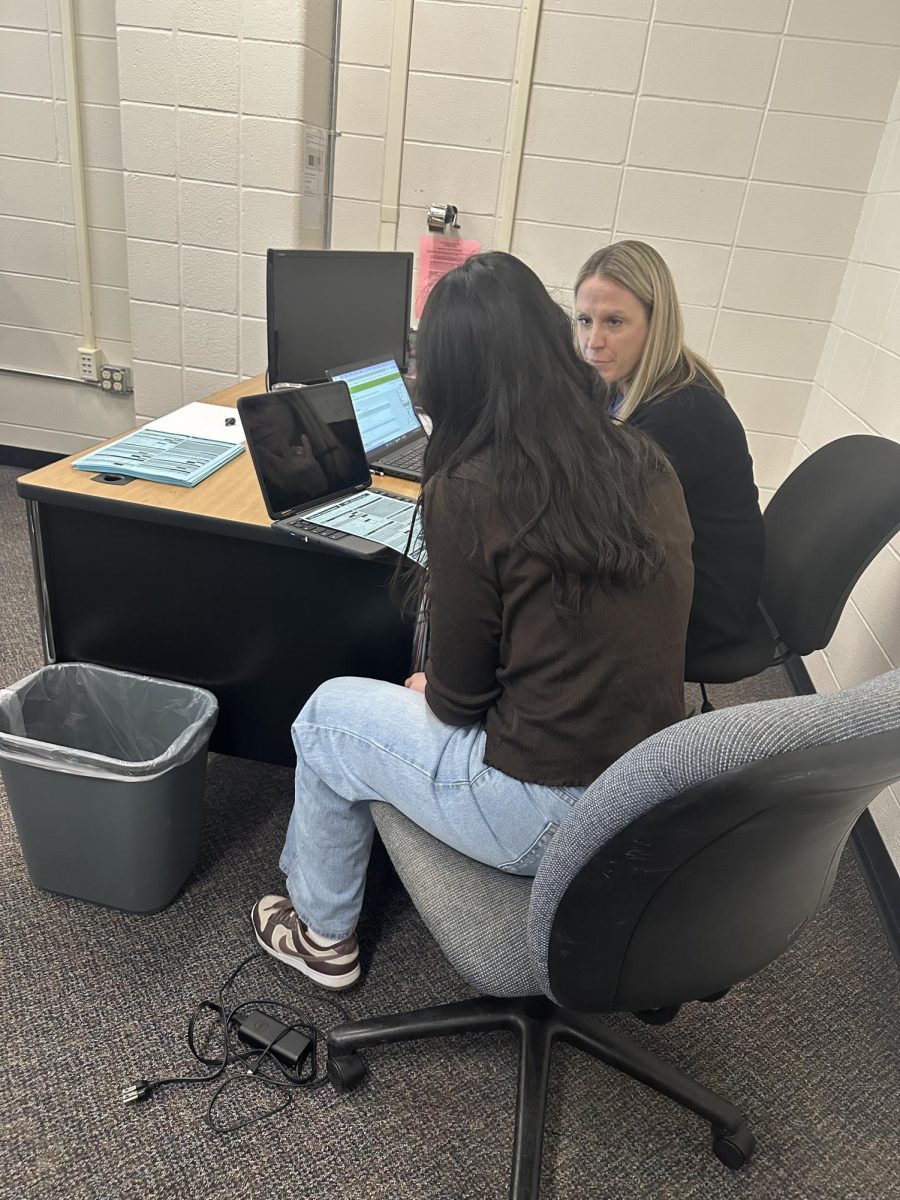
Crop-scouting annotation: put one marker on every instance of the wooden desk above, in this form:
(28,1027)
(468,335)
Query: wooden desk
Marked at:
(193,584)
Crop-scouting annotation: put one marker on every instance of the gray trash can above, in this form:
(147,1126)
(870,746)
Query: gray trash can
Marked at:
(105,773)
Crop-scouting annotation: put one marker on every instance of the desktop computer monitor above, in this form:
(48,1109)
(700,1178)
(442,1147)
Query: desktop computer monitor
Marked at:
(333,306)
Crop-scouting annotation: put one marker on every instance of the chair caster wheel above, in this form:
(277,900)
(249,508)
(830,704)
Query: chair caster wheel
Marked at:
(345,1072)
(658,1016)
(734,1147)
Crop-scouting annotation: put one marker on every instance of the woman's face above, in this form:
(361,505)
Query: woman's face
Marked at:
(612,328)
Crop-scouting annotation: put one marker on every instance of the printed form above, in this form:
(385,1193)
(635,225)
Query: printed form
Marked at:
(377,516)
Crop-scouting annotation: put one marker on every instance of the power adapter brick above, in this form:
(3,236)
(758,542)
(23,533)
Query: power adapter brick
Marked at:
(259,1030)
(287,1044)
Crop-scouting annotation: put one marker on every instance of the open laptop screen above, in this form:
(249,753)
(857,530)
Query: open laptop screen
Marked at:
(335,306)
(305,445)
(381,402)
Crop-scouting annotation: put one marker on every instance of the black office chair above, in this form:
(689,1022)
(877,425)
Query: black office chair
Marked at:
(824,525)
(690,864)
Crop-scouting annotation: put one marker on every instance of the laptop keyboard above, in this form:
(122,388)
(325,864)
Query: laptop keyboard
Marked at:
(333,535)
(373,515)
(411,458)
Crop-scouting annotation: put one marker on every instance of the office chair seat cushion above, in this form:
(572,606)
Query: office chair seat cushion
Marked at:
(738,660)
(685,755)
(475,913)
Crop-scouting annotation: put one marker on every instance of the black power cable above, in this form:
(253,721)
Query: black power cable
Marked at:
(290,1047)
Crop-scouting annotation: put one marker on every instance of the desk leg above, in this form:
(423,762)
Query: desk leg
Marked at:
(40,580)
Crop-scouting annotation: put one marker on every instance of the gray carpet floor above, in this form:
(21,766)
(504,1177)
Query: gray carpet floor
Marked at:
(93,999)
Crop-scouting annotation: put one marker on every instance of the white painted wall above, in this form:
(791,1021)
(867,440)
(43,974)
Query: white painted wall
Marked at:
(215,98)
(193,114)
(40,320)
(738,138)
(857,390)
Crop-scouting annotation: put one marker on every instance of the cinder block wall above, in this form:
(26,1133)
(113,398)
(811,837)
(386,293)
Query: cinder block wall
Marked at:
(216,99)
(40,321)
(193,118)
(857,390)
(738,138)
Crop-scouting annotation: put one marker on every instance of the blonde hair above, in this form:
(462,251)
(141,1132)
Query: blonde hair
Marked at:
(666,363)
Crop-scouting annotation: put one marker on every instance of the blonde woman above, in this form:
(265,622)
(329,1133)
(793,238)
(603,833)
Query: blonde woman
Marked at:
(630,330)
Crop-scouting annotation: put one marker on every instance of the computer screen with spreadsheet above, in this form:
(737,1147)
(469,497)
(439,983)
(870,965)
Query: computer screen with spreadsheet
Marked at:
(383,407)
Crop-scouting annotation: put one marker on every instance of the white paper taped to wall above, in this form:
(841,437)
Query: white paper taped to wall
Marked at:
(313,194)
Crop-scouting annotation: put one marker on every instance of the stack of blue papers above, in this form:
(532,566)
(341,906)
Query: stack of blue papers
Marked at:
(162,457)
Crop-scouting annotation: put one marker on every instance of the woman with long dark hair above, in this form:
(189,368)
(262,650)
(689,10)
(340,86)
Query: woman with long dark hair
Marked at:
(559,585)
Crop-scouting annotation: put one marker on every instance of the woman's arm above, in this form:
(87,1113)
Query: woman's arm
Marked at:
(465,608)
(699,433)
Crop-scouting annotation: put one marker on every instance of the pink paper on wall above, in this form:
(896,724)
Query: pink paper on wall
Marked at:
(437,256)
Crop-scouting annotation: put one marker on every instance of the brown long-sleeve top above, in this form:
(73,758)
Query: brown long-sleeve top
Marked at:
(561,696)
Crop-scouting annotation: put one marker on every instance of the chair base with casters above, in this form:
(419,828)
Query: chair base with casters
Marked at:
(691,864)
(538,1023)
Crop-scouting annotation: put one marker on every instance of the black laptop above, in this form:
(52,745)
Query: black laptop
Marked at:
(311,465)
(392,435)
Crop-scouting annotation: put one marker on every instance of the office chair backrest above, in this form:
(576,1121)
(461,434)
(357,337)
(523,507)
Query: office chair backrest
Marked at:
(824,525)
(700,855)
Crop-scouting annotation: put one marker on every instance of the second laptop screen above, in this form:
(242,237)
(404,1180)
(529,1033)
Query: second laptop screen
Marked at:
(381,402)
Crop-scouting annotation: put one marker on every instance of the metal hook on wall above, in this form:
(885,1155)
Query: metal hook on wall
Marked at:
(442,217)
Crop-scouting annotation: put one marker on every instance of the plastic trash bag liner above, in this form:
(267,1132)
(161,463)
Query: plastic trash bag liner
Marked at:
(86,720)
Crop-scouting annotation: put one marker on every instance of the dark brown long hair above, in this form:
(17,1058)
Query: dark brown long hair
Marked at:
(499,375)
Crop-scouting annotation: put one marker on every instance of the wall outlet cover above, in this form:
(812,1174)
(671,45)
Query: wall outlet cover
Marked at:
(115,379)
(90,360)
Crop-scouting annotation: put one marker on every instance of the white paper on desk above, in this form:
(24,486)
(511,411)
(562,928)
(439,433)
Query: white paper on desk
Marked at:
(202,421)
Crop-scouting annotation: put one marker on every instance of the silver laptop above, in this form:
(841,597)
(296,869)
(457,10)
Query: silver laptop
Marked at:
(392,434)
(311,466)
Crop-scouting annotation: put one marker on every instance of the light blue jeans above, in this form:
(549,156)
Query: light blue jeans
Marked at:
(361,739)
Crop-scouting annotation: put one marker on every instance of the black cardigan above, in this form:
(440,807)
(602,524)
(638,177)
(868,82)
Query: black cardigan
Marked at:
(706,444)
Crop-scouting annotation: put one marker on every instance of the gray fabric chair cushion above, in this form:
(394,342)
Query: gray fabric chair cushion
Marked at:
(685,755)
(475,913)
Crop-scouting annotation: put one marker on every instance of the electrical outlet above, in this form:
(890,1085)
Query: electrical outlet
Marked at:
(89,364)
(115,379)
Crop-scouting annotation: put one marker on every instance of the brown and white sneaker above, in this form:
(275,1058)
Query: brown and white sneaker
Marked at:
(282,934)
